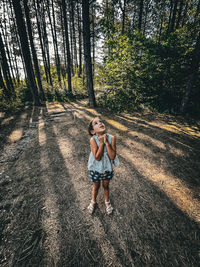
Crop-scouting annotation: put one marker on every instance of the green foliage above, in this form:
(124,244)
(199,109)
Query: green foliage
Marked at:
(141,71)
(22,96)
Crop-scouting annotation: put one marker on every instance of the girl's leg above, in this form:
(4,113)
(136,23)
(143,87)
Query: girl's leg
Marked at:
(105,184)
(95,190)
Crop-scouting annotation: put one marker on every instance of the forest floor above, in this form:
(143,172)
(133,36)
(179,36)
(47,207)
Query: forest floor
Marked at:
(45,190)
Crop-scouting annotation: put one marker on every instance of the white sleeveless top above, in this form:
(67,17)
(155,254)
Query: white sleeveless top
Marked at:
(105,163)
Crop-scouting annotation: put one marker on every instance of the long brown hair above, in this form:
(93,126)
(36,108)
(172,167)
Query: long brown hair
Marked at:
(90,127)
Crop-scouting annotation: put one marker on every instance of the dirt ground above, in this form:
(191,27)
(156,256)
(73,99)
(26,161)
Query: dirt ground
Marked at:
(45,190)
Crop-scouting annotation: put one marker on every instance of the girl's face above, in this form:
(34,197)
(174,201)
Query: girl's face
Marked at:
(98,127)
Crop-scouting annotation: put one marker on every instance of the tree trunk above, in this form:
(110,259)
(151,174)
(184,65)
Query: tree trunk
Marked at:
(5,69)
(25,50)
(170,16)
(2,85)
(54,35)
(87,52)
(193,75)
(6,43)
(18,42)
(64,68)
(67,47)
(45,42)
(93,40)
(185,13)
(71,44)
(179,14)
(172,25)
(38,19)
(73,34)
(35,60)
(80,42)
(146,15)
(123,9)
(140,15)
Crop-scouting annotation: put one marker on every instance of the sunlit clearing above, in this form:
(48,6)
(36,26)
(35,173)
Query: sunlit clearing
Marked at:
(23,116)
(145,137)
(2,114)
(50,217)
(116,124)
(81,191)
(55,108)
(173,187)
(172,127)
(176,129)
(41,133)
(15,135)
(7,120)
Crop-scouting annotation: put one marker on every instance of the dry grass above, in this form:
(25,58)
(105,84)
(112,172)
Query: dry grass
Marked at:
(45,190)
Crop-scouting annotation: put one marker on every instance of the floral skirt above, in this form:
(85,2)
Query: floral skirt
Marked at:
(97,177)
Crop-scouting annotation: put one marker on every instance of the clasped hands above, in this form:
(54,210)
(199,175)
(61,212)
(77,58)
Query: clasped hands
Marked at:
(103,139)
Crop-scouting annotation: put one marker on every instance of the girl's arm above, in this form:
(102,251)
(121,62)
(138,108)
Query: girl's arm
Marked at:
(111,148)
(97,151)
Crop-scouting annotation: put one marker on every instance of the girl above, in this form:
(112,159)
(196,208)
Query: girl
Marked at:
(103,152)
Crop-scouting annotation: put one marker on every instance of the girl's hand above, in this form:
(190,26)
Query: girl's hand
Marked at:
(101,139)
(105,139)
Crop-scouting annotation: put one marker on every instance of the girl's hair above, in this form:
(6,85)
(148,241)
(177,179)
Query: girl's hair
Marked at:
(90,127)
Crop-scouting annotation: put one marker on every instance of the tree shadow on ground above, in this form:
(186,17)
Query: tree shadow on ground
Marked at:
(148,228)
(13,121)
(53,191)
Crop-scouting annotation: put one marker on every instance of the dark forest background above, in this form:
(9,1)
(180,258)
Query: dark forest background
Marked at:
(123,55)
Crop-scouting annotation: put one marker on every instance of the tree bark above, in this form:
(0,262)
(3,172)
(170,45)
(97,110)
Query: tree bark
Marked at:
(80,41)
(67,47)
(5,69)
(140,15)
(193,75)
(179,14)
(38,20)
(17,38)
(73,33)
(25,50)
(172,25)
(87,52)
(54,36)
(6,43)
(35,59)
(45,42)
(2,85)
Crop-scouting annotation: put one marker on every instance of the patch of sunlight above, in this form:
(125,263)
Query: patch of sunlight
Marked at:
(23,116)
(31,118)
(82,114)
(175,150)
(176,128)
(41,133)
(116,124)
(15,135)
(142,136)
(74,168)
(54,107)
(191,131)
(50,218)
(131,117)
(7,120)
(2,114)
(143,149)
(94,112)
(173,187)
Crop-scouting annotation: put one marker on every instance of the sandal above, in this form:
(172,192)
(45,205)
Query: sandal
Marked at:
(91,207)
(109,208)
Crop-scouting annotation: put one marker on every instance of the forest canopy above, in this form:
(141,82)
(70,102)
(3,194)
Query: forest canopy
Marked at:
(121,54)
